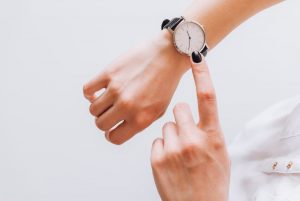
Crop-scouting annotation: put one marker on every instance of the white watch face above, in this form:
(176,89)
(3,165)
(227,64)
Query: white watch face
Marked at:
(189,37)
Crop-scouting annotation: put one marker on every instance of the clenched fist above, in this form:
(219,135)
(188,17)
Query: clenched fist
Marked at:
(139,86)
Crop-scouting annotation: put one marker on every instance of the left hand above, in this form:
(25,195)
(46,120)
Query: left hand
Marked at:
(191,162)
(139,87)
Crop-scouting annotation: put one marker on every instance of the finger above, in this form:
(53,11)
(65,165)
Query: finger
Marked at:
(207,104)
(157,150)
(110,118)
(183,117)
(93,86)
(171,141)
(102,103)
(121,133)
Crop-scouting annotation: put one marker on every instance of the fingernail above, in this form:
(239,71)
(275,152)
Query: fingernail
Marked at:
(196,56)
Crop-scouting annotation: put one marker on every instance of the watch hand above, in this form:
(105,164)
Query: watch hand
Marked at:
(189,38)
(188,34)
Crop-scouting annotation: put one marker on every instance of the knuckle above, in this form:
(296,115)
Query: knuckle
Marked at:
(115,88)
(100,124)
(217,143)
(107,75)
(179,107)
(207,94)
(143,120)
(173,155)
(213,129)
(92,110)
(157,162)
(194,154)
(190,148)
(125,102)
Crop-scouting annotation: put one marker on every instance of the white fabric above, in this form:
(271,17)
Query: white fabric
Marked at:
(266,156)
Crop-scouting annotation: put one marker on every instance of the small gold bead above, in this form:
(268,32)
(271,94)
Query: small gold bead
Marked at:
(274,165)
(289,165)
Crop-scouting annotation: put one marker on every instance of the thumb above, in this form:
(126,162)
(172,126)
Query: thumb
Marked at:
(207,104)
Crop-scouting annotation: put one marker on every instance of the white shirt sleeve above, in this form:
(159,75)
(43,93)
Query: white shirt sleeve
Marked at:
(266,156)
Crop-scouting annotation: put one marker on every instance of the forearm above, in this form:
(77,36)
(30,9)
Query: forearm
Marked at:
(156,66)
(220,17)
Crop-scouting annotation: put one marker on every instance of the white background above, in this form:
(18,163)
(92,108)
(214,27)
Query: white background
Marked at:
(49,146)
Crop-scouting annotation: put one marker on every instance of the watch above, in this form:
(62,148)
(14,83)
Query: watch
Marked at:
(188,36)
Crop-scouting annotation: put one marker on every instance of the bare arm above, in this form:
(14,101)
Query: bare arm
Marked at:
(220,17)
(140,83)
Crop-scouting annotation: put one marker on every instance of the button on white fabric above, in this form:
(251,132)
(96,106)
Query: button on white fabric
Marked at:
(266,156)
(282,165)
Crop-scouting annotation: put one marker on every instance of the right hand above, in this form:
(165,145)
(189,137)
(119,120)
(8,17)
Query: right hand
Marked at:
(139,86)
(190,162)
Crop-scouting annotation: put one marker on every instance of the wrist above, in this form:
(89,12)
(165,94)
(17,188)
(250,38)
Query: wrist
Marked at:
(165,40)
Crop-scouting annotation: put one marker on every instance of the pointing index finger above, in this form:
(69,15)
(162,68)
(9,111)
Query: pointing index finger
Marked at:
(207,104)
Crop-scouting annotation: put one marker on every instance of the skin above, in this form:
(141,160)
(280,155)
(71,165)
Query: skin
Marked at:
(191,161)
(157,67)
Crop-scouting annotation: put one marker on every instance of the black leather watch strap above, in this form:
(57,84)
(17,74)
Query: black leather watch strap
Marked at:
(204,51)
(172,24)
